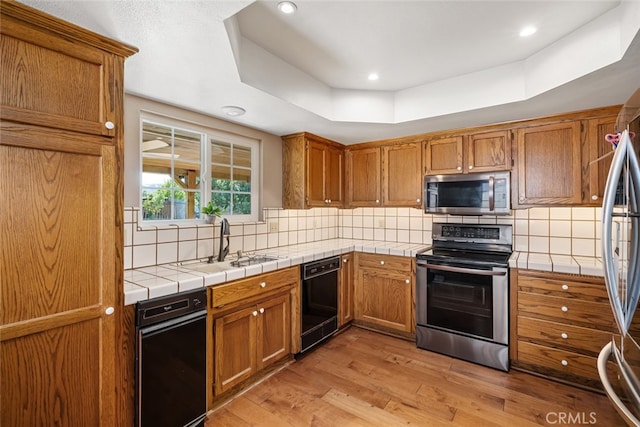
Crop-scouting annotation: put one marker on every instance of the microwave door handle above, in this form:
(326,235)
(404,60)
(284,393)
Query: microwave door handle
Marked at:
(491,194)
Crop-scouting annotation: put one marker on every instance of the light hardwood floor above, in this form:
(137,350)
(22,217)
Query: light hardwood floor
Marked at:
(362,378)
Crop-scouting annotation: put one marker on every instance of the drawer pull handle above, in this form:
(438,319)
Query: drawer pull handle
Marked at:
(564,309)
(565,287)
(564,335)
(564,362)
(381,262)
(255,313)
(263,284)
(262,310)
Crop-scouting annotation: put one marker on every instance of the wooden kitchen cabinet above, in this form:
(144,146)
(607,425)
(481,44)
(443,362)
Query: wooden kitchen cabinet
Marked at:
(559,325)
(597,153)
(363,173)
(549,165)
(254,323)
(476,152)
(390,175)
(383,293)
(313,172)
(345,290)
(61,252)
(249,340)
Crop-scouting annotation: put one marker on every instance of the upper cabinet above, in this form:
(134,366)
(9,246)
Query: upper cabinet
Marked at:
(390,175)
(313,172)
(548,165)
(597,155)
(477,152)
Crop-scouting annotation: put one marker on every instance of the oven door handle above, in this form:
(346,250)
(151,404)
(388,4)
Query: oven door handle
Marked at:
(465,270)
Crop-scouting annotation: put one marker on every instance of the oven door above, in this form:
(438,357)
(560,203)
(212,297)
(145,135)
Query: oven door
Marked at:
(462,299)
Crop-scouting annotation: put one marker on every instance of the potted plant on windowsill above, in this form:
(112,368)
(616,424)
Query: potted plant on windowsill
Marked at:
(211,211)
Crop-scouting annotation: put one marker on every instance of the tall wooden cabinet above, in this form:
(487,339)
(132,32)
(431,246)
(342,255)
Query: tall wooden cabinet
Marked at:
(61,252)
(313,172)
(345,290)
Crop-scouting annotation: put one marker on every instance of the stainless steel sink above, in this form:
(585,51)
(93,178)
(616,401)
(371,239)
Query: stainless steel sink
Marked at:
(252,259)
(205,267)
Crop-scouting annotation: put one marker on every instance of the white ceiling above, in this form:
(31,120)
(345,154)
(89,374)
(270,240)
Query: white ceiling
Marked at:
(442,64)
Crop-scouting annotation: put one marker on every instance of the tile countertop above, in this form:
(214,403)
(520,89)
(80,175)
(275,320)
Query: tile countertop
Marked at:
(587,266)
(166,279)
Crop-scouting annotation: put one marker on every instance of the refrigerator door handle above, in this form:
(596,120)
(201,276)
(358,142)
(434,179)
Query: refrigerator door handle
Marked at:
(624,412)
(608,201)
(633,276)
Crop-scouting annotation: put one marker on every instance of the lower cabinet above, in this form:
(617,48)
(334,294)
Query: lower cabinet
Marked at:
(561,323)
(383,293)
(249,340)
(345,290)
(254,324)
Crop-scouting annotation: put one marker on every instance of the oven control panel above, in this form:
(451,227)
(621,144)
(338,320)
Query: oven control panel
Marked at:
(473,233)
(470,232)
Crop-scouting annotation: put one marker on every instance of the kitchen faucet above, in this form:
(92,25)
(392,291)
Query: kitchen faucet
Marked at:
(224,232)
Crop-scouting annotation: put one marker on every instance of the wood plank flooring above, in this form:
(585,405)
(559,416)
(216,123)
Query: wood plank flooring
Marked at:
(362,378)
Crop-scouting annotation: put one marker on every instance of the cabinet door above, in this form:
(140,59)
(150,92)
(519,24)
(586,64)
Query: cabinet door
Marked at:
(599,153)
(402,175)
(443,156)
(345,292)
(363,177)
(489,151)
(55,83)
(274,330)
(334,177)
(235,348)
(316,166)
(549,165)
(384,298)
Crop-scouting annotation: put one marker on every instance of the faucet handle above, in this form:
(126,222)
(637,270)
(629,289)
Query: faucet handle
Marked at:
(239,253)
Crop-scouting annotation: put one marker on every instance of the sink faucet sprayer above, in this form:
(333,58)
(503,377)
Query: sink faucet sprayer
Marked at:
(224,232)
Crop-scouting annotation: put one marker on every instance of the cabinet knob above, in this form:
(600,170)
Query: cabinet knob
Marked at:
(109,125)
(594,197)
(459,168)
(564,362)
(109,311)
(564,308)
(470,167)
(564,335)
(381,262)
(345,260)
(377,201)
(261,310)
(407,281)
(263,284)
(565,287)
(255,313)
(417,200)
(329,200)
(521,198)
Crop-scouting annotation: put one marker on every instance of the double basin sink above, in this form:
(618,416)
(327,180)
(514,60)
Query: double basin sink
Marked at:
(205,267)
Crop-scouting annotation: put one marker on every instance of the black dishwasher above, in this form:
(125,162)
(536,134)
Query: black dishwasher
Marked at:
(171,361)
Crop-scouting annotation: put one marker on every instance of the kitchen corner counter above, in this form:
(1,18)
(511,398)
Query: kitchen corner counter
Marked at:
(166,279)
(586,266)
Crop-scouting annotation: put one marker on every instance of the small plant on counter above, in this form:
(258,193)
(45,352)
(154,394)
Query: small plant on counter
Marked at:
(211,211)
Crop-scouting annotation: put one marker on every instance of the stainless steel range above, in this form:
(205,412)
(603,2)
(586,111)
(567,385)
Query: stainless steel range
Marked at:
(462,293)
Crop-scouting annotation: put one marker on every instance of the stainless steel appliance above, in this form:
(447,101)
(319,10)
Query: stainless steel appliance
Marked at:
(462,293)
(620,259)
(319,306)
(468,194)
(171,360)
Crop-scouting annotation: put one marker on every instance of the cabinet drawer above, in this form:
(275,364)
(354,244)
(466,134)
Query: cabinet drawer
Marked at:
(566,310)
(561,361)
(252,286)
(393,263)
(589,289)
(559,335)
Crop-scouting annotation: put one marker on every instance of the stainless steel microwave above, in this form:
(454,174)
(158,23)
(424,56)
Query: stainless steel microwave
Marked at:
(468,194)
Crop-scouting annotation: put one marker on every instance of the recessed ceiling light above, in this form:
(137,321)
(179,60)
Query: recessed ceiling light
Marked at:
(527,31)
(233,111)
(287,7)
(373,77)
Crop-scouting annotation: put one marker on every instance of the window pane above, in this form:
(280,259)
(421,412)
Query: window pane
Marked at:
(156,204)
(241,180)
(241,204)
(221,178)
(223,201)
(241,156)
(220,153)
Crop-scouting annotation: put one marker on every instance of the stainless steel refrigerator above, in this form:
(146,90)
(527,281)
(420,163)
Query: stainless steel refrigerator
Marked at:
(619,360)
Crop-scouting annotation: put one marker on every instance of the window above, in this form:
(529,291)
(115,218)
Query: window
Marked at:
(177,180)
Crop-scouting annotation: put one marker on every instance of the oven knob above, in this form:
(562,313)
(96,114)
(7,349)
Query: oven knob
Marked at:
(564,335)
(564,308)
(564,362)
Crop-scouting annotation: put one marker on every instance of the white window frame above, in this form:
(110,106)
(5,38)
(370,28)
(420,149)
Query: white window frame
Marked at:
(205,169)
